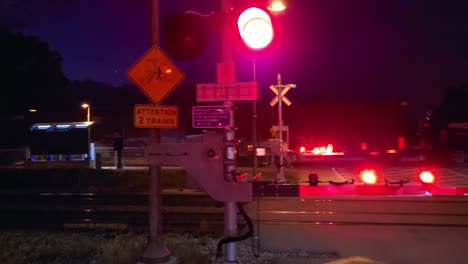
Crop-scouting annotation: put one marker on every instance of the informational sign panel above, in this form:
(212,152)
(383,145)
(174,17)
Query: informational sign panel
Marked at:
(226,73)
(211,116)
(219,92)
(155,74)
(155,116)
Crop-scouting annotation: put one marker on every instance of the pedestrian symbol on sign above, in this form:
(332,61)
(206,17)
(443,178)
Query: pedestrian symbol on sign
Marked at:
(155,75)
(159,74)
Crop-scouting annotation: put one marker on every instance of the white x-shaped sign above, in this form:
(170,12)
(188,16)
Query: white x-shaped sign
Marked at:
(284,90)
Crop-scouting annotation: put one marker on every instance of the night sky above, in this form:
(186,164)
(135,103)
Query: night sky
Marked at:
(337,49)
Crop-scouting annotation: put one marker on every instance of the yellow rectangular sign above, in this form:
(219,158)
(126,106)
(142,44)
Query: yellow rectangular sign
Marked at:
(155,116)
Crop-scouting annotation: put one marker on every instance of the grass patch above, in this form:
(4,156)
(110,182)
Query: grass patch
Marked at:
(27,247)
(99,247)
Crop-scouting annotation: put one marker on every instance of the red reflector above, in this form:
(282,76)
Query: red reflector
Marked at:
(241,177)
(426,177)
(368,176)
(374,190)
(401,142)
(462,191)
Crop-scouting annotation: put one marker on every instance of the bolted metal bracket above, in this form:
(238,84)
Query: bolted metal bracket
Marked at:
(202,157)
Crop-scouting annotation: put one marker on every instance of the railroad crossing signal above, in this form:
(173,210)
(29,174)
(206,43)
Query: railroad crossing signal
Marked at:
(284,89)
(155,74)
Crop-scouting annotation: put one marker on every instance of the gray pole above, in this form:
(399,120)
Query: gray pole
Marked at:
(230,211)
(156,251)
(254,122)
(91,163)
(280,175)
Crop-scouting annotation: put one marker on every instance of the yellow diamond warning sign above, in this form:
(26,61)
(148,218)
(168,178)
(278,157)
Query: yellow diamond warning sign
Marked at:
(155,74)
(155,116)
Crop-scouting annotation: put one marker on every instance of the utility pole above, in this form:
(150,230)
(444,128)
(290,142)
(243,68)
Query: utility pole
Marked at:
(254,123)
(230,208)
(156,251)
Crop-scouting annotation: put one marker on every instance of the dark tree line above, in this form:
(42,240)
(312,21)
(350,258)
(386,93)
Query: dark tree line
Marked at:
(31,75)
(32,78)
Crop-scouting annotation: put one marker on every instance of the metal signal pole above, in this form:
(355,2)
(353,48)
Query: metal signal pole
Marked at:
(230,208)
(280,175)
(156,251)
(254,122)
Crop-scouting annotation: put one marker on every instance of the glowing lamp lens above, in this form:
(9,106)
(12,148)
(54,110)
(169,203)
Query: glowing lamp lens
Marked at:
(426,177)
(302,149)
(276,6)
(255,28)
(369,176)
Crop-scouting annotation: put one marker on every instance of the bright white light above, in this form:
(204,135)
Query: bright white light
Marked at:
(43,127)
(368,176)
(277,6)
(325,151)
(255,28)
(426,177)
(261,152)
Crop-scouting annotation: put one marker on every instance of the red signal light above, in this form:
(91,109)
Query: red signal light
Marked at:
(255,28)
(426,177)
(368,176)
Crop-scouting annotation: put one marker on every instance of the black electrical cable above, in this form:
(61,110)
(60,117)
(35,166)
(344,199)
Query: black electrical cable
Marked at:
(351,181)
(249,233)
(315,183)
(256,244)
(395,185)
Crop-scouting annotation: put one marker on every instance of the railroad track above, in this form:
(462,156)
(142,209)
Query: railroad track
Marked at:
(393,229)
(182,210)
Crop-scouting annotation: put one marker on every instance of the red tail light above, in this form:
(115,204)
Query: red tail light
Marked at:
(426,177)
(368,176)
(401,143)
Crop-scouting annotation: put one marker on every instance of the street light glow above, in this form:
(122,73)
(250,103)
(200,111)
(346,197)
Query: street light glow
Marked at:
(276,6)
(88,114)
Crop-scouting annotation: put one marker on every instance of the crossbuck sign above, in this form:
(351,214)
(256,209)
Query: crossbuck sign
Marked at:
(282,89)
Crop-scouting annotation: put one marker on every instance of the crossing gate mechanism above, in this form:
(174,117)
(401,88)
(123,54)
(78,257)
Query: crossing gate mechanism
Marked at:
(203,158)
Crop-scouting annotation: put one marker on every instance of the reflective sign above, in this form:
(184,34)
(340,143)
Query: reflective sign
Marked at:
(211,116)
(284,90)
(155,74)
(155,116)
